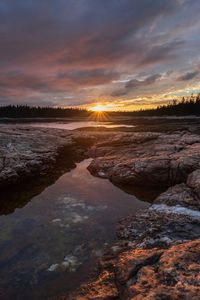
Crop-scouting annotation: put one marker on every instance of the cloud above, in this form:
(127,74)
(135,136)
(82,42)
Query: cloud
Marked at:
(135,84)
(66,47)
(16,80)
(188,76)
(89,77)
(161,53)
(73,30)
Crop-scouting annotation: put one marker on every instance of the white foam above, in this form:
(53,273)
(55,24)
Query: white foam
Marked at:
(56,220)
(53,268)
(177,209)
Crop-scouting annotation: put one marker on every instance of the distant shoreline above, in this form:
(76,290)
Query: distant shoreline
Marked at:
(112,118)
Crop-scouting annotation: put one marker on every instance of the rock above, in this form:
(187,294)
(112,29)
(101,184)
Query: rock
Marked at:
(193,181)
(24,151)
(150,274)
(102,289)
(29,151)
(160,226)
(127,158)
(158,160)
(149,170)
(157,255)
(180,194)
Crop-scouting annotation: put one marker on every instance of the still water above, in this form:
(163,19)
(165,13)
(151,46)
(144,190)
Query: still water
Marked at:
(50,246)
(75,125)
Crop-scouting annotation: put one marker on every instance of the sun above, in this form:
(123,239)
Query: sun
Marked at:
(99,113)
(98,108)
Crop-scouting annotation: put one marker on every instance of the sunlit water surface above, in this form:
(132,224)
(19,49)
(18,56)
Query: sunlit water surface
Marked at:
(50,246)
(75,125)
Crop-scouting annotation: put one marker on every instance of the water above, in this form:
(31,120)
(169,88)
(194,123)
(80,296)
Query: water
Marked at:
(50,246)
(75,125)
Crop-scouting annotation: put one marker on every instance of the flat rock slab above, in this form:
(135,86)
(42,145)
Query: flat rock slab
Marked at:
(25,151)
(153,159)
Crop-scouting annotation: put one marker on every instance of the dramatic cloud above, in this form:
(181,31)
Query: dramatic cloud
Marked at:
(188,76)
(88,77)
(135,84)
(68,52)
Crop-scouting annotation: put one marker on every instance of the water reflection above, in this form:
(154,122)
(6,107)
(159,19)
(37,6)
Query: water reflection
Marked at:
(50,246)
(75,125)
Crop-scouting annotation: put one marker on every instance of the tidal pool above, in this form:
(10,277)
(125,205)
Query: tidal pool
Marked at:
(50,246)
(76,125)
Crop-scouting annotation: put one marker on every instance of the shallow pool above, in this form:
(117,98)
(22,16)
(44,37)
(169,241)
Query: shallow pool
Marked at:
(50,246)
(75,125)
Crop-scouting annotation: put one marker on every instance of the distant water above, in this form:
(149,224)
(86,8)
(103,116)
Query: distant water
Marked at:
(75,125)
(50,246)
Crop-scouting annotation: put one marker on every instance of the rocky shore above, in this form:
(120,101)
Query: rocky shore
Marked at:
(157,254)
(26,151)
(33,158)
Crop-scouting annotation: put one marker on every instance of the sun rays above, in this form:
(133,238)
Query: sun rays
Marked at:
(98,113)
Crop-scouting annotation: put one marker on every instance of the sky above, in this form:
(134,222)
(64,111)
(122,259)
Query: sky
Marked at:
(118,54)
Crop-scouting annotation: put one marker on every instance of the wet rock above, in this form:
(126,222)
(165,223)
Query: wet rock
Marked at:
(150,274)
(180,194)
(103,288)
(193,181)
(160,226)
(155,257)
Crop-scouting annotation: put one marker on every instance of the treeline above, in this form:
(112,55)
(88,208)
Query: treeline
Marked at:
(187,106)
(25,111)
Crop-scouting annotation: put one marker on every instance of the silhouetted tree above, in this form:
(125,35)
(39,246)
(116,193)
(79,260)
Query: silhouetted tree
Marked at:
(24,111)
(187,106)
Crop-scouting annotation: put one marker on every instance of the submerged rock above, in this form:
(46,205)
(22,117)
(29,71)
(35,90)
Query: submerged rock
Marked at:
(70,264)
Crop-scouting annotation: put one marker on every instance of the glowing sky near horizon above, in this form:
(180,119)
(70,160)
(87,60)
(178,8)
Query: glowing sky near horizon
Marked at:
(115,54)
